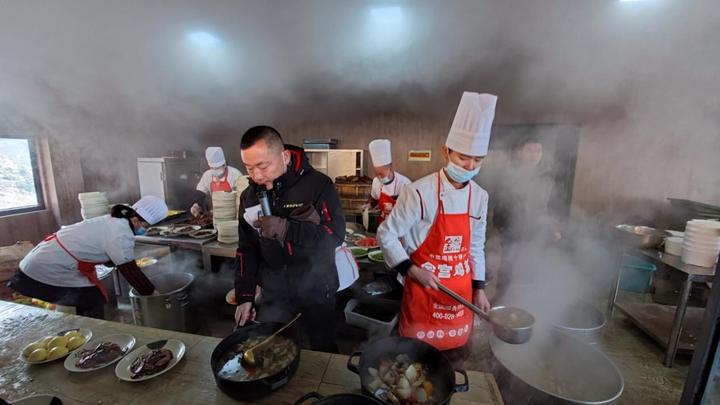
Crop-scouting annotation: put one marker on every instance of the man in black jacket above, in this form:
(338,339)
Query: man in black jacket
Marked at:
(291,253)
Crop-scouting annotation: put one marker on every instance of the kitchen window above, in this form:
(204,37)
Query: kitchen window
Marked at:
(20,186)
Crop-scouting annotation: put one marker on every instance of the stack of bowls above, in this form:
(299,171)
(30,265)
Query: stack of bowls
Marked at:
(93,204)
(701,244)
(224,206)
(227,231)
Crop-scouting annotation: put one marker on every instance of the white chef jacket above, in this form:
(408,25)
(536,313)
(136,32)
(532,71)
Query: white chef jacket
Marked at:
(415,212)
(96,240)
(207,178)
(392,189)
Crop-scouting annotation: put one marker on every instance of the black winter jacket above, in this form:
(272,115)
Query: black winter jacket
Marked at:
(309,249)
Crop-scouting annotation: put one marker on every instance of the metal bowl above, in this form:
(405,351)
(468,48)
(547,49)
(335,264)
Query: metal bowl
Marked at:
(643,237)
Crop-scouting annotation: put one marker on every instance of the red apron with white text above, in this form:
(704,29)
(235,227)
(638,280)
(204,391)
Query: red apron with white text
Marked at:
(87,269)
(386,204)
(221,184)
(433,316)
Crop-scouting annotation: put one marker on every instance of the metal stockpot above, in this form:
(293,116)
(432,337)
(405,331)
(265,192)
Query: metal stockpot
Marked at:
(171,309)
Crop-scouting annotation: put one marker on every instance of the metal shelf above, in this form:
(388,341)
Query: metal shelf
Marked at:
(656,321)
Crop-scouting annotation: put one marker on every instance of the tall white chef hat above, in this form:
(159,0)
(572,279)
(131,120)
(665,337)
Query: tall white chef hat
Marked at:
(151,208)
(380,152)
(470,130)
(215,156)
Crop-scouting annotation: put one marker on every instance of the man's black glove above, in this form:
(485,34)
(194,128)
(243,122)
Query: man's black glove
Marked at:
(272,227)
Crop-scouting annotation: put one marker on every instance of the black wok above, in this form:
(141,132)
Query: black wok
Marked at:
(339,399)
(441,372)
(249,390)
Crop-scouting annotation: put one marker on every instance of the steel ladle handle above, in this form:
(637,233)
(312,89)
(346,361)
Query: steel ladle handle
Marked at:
(464,302)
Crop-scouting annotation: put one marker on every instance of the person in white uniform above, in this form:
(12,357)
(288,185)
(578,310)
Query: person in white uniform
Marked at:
(61,268)
(219,177)
(442,220)
(387,183)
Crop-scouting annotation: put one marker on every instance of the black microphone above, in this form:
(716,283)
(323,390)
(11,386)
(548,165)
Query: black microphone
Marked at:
(264,203)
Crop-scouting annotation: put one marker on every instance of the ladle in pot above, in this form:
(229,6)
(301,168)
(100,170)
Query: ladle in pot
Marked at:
(248,357)
(502,319)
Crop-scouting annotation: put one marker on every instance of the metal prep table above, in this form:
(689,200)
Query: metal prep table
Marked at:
(675,328)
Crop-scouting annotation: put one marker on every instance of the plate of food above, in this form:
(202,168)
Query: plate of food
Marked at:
(157,230)
(358,252)
(150,360)
(99,353)
(376,256)
(230,297)
(183,229)
(38,400)
(202,233)
(145,261)
(54,347)
(368,242)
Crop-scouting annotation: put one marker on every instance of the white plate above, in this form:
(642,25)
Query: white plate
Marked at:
(86,333)
(373,256)
(36,400)
(126,342)
(122,370)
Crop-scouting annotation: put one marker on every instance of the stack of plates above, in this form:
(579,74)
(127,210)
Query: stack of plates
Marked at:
(224,206)
(227,231)
(93,204)
(701,244)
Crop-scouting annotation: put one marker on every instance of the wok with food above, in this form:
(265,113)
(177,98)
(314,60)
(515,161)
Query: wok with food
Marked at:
(403,371)
(276,361)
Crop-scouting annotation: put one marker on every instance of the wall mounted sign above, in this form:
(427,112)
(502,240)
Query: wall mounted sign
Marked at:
(420,155)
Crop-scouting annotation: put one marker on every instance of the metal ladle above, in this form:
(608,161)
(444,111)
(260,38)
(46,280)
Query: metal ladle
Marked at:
(248,357)
(506,333)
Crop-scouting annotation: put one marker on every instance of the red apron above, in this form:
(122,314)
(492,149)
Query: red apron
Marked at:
(221,184)
(386,203)
(87,269)
(429,315)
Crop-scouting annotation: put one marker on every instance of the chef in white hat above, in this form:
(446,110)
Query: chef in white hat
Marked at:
(387,183)
(61,269)
(442,219)
(219,177)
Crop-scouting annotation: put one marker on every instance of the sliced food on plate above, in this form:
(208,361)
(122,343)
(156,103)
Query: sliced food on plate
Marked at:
(368,242)
(203,233)
(150,360)
(376,256)
(100,353)
(56,346)
(358,252)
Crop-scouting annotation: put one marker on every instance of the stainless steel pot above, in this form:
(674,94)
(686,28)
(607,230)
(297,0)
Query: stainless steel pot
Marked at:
(171,309)
(555,368)
(582,320)
(643,237)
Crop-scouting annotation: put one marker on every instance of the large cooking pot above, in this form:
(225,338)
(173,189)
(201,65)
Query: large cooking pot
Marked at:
(441,374)
(555,368)
(582,320)
(339,399)
(171,308)
(250,390)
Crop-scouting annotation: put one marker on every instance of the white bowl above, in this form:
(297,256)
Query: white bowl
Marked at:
(695,258)
(676,233)
(674,245)
(703,228)
(701,244)
(710,251)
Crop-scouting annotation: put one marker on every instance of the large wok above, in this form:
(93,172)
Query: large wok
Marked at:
(442,374)
(249,390)
(555,368)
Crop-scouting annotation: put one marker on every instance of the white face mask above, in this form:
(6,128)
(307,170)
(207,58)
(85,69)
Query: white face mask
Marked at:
(217,172)
(460,174)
